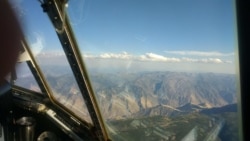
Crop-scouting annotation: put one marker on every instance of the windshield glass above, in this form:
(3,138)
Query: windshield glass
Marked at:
(25,78)
(48,52)
(161,70)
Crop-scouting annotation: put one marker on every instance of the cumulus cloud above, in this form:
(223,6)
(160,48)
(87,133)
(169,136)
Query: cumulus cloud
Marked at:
(212,60)
(200,53)
(123,55)
(156,57)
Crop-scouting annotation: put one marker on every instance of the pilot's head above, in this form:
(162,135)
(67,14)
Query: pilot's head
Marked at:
(10,37)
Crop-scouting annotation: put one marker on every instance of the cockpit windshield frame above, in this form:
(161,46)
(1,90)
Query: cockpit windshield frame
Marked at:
(101,127)
(59,19)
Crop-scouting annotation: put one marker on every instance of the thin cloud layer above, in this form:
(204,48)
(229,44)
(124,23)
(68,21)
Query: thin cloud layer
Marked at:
(112,62)
(200,53)
(205,60)
(147,57)
(155,58)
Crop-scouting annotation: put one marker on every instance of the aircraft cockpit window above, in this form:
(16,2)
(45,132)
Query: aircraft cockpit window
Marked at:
(24,78)
(47,51)
(142,70)
(161,70)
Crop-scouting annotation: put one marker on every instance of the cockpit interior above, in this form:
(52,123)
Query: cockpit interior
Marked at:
(111,70)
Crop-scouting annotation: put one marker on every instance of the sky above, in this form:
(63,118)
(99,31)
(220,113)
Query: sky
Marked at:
(141,35)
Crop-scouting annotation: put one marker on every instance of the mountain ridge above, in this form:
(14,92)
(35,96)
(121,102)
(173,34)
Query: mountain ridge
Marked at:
(140,92)
(125,95)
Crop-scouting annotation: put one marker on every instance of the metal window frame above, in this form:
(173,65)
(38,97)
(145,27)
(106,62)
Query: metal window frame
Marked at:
(59,18)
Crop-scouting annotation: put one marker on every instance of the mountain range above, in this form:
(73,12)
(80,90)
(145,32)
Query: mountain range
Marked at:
(162,93)
(125,95)
(153,105)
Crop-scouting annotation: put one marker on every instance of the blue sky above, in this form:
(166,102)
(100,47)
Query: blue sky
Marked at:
(156,26)
(195,33)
